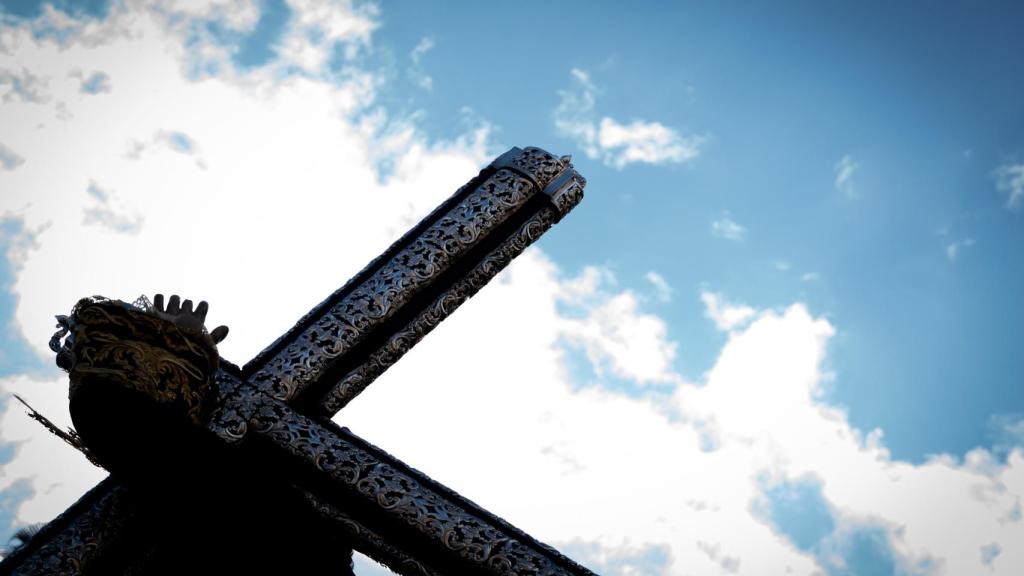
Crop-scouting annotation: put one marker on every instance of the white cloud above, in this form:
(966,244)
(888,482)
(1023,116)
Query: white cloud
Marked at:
(953,249)
(810,277)
(725,315)
(665,482)
(661,286)
(19,84)
(615,143)
(616,336)
(415,71)
(318,27)
(845,170)
(727,228)
(1010,181)
(105,211)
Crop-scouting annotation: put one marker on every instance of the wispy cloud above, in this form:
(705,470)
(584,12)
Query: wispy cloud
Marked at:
(1010,181)
(173,140)
(107,211)
(661,286)
(953,249)
(845,169)
(618,144)
(415,70)
(727,228)
(22,85)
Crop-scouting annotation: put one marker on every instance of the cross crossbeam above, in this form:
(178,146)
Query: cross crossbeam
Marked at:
(268,435)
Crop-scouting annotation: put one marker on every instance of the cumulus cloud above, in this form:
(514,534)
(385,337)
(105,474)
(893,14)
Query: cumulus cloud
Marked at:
(616,336)
(661,479)
(615,143)
(845,169)
(727,228)
(319,27)
(1010,181)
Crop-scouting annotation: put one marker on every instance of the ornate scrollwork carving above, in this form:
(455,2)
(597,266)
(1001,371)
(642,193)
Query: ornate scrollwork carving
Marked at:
(74,547)
(165,356)
(369,542)
(403,498)
(402,341)
(235,402)
(450,236)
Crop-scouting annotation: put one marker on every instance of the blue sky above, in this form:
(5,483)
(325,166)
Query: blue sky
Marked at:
(925,100)
(850,175)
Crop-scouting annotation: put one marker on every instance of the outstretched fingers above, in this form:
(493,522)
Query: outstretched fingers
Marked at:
(201,310)
(219,333)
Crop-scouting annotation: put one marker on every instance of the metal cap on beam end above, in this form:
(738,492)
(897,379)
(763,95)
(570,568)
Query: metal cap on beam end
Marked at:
(565,191)
(554,176)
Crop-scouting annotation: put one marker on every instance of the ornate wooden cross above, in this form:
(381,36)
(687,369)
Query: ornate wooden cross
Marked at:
(218,469)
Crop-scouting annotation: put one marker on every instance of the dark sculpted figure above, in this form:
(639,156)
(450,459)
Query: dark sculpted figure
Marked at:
(142,389)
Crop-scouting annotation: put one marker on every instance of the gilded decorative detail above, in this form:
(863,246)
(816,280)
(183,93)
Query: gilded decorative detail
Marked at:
(116,344)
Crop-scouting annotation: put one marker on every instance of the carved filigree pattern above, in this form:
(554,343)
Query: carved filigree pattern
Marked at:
(401,342)
(70,551)
(235,402)
(369,542)
(542,165)
(407,499)
(307,357)
(114,347)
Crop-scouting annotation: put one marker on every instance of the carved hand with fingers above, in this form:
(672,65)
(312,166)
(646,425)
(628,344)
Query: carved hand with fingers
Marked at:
(185,318)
